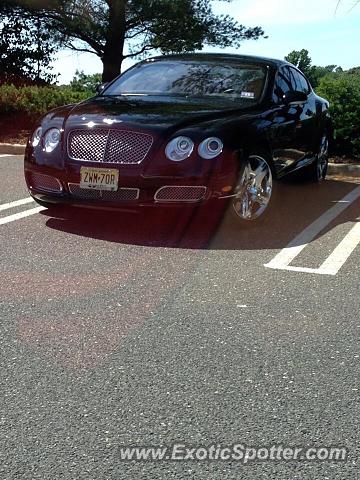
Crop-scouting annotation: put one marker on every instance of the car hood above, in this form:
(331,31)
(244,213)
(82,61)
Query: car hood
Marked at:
(155,113)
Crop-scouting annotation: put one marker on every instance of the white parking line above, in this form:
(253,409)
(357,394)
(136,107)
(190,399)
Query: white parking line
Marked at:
(16,203)
(342,252)
(337,259)
(18,216)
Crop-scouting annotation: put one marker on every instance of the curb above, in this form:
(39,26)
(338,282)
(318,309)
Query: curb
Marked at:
(12,149)
(347,170)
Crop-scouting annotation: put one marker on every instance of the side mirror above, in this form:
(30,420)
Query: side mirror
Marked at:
(101,87)
(295,98)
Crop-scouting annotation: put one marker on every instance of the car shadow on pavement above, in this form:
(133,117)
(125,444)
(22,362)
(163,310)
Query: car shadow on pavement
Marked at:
(297,206)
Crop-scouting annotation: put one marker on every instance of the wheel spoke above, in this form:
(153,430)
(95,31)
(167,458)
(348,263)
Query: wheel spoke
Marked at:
(246,206)
(246,173)
(260,173)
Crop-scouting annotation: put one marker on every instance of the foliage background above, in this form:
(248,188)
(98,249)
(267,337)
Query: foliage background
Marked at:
(343,92)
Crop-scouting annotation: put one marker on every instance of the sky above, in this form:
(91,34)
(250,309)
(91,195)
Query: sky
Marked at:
(331,36)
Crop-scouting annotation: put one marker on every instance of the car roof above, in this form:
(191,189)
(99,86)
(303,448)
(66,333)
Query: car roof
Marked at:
(221,57)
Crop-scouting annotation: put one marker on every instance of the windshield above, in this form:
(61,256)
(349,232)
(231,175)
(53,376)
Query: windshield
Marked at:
(195,79)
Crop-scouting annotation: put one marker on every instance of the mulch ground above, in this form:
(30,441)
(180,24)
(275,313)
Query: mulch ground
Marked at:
(15,128)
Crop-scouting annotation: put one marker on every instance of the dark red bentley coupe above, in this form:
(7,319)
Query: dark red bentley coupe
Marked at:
(180,130)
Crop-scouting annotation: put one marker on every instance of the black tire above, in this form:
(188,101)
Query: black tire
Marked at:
(256,193)
(317,171)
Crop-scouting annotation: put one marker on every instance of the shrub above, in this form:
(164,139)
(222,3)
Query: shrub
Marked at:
(343,92)
(35,101)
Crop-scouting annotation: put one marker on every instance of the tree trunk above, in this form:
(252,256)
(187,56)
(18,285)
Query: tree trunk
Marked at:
(115,39)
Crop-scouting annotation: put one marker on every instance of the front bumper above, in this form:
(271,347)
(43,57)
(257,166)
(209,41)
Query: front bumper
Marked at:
(56,186)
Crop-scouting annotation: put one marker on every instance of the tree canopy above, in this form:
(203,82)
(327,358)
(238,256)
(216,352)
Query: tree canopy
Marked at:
(26,49)
(118,29)
(85,83)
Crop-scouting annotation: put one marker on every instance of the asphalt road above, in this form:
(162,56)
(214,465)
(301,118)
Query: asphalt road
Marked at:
(166,327)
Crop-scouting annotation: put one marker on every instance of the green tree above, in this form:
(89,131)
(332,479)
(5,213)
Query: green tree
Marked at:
(25,49)
(317,73)
(85,83)
(354,71)
(107,27)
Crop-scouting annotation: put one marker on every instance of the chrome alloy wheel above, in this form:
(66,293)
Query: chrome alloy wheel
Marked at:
(253,194)
(323,158)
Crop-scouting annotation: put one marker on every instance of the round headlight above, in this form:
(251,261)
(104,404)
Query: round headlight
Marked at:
(52,139)
(35,140)
(210,148)
(179,149)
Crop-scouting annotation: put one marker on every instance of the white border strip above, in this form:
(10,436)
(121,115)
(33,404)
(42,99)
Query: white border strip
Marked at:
(289,253)
(16,203)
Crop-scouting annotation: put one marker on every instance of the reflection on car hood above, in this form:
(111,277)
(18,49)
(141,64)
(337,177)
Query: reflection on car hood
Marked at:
(155,113)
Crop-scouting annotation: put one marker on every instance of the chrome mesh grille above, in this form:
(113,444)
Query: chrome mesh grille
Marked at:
(109,146)
(89,146)
(180,194)
(46,183)
(122,195)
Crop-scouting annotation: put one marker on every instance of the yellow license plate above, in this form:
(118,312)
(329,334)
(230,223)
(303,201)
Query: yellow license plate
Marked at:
(99,178)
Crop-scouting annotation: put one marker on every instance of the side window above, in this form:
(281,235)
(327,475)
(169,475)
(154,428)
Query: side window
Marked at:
(299,81)
(293,79)
(283,84)
(303,83)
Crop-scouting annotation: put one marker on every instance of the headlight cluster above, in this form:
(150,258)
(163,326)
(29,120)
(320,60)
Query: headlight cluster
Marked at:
(180,148)
(210,148)
(51,139)
(36,137)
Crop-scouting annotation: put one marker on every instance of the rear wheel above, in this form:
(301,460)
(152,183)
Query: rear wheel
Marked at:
(255,190)
(317,171)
